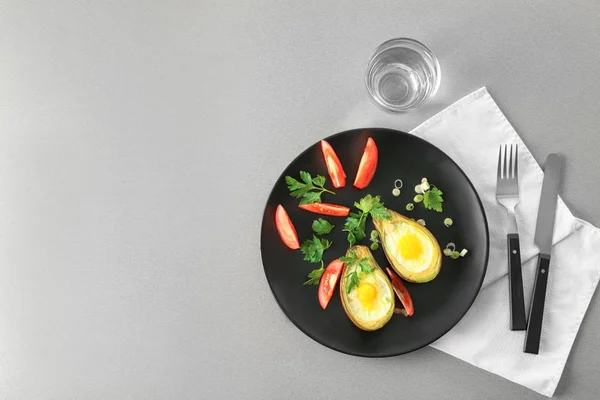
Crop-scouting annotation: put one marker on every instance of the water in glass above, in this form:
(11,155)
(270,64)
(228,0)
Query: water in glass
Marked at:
(402,75)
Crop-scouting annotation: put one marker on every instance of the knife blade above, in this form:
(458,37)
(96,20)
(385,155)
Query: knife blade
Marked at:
(543,240)
(547,211)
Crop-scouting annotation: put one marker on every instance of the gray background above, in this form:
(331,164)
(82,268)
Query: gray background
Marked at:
(138,144)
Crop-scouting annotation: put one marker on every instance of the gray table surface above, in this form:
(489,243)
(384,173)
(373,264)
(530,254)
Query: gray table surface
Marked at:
(138,144)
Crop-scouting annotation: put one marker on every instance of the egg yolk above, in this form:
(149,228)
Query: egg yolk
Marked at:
(366,294)
(409,247)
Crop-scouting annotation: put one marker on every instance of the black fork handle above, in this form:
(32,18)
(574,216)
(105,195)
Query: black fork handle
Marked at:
(518,321)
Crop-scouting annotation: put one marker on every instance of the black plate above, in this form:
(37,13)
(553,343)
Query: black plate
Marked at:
(439,304)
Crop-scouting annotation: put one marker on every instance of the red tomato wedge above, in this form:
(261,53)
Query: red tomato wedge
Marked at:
(401,292)
(368,165)
(326,209)
(329,281)
(334,166)
(286,229)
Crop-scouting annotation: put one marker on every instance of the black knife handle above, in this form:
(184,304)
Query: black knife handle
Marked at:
(518,321)
(536,313)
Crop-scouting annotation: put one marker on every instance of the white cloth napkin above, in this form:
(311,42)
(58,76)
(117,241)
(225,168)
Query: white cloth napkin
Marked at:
(471,131)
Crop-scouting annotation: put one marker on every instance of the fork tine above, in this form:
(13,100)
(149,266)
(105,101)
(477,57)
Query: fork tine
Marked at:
(499,176)
(516,162)
(505,166)
(510,163)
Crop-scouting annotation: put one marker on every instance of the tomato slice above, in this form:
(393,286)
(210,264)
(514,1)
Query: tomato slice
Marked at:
(329,281)
(368,165)
(401,292)
(334,166)
(326,209)
(286,229)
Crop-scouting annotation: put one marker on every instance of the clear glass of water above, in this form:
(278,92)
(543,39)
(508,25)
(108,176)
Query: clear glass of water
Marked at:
(403,74)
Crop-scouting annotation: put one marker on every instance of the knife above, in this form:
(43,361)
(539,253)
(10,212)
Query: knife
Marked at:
(543,240)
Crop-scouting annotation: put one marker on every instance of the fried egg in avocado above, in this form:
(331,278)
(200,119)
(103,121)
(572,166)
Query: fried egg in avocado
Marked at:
(411,249)
(366,292)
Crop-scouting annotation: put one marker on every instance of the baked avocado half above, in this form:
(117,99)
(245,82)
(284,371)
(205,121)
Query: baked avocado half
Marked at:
(411,249)
(366,292)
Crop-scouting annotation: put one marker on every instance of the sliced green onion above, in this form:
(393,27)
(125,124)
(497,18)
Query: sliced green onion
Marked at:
(374,234)
(451,245)
(398,183)
(447,252)
(454,255)
(421,221)
(464,252)
(374,246)
(448,222)
(410,207)
(419,189)
(396,192)
(418,198)
(425,186)
(424,180)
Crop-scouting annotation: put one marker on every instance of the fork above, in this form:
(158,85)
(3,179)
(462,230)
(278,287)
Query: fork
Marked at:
(507,194)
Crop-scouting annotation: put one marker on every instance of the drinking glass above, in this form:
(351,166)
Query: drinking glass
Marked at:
(402,75)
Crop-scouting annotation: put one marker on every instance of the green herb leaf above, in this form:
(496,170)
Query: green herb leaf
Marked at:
(349,259)
(353,281)
(322,226)
(353,221)
(297,189)
(355,267)
(305,176)
(351,238)
(311,197)
(309,190)
(374,206)
(319,181)
(356,222)
(380,212)
(355,226)
(313,249)
(292,183)
(366,203)
(433,199)
(314,276)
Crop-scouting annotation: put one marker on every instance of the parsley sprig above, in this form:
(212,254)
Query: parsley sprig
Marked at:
(432,199)
(356,267)
(309,189)
(356,222)
(313,250)
(355,226)
(314,276)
